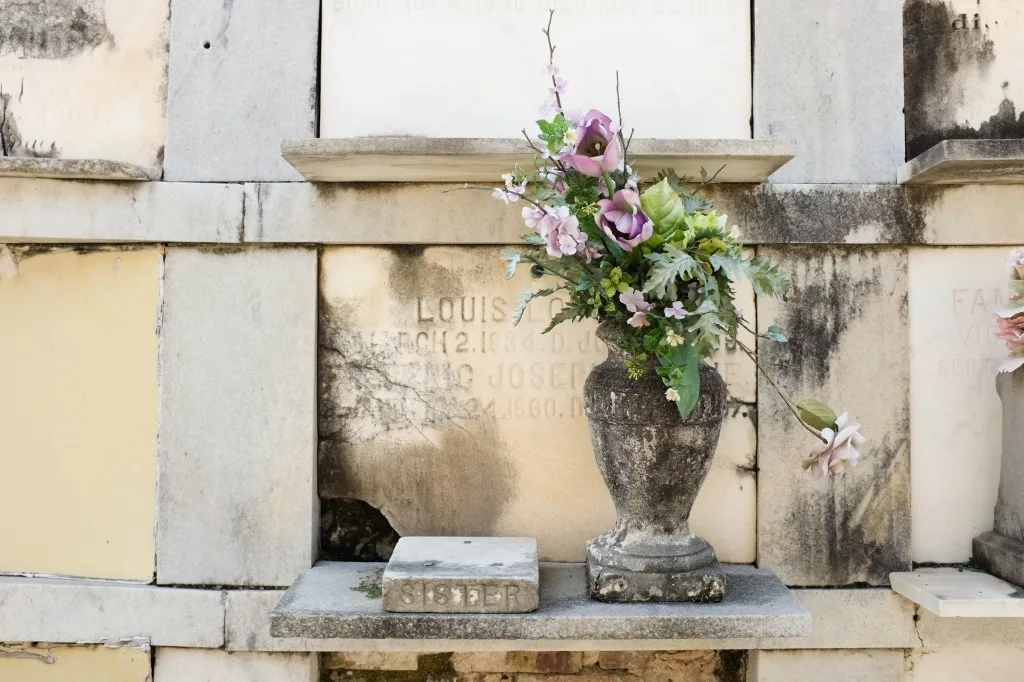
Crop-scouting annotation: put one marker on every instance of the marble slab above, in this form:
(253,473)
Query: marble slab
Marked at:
(462,575)
(476,69)
(325,603)
(953,592)
(959,162)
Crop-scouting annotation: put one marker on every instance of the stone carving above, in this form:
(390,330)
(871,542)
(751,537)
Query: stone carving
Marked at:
(654,465)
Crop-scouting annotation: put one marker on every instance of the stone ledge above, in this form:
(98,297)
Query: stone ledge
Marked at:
(959,162)
(59,211)
(65,610)
(951,592)
(325,603)
(76,169)
(421,159)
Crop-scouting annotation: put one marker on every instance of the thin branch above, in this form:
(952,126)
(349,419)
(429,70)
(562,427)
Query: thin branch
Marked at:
(491,189)
(622,139)
(534,148)
(708,182)
(792,408)
(551,59)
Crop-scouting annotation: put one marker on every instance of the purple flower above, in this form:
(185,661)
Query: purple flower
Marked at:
(562,232)
(635,303)
(597,149)
(677,311)
(623,220)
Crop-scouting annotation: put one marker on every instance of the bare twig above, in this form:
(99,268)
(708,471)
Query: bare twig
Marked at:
(534,148)
(490,189)
(712,179)
(792,408)
(551,59)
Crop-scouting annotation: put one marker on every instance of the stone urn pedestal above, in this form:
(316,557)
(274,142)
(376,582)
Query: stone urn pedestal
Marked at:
(1001,551)
(654,464)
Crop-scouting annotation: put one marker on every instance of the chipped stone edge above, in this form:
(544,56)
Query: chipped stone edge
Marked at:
(77,169)
(953,162)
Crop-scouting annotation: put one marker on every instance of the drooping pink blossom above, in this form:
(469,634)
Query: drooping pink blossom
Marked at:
(839,451)
(562,233)
(635,303)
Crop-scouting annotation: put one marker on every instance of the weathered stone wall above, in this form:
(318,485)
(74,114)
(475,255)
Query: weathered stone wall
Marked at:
(209,381)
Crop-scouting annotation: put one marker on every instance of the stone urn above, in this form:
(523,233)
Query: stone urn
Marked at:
(1001,551)
(654,464)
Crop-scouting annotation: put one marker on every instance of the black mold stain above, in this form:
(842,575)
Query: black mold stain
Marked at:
(821,305)
(459,485)
(412,276)
(821,214)
(937,60)
(732,666)
(55,29)
(352,530)
(1004,124)
(11,141)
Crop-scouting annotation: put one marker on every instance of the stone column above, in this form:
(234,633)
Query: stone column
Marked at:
(1001,551)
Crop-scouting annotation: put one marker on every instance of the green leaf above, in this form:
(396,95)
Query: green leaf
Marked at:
(668,267)
(766,278)
(686,381)
(663,206)
(694,203)
(523,300)
(709,328)
(511,259)
(564,315)
(817,414)
(775,334)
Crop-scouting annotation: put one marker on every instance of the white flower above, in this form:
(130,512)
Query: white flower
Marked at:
(672,394)
(551,69)
(839,451)
(507,197)
(560,87)
(549,107)
(571,137)
(511,186)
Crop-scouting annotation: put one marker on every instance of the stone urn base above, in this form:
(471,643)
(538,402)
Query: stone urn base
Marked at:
(652,580)
(654,464)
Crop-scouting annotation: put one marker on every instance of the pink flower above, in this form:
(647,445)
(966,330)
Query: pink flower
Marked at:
(622,219)
(1015,263)
(677,311)
(532,216)
(1011,330)
(635,303)
(597,148)
(839,451)
(562,232)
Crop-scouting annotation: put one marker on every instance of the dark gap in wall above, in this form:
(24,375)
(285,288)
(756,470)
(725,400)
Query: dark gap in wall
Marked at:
(319,66)
(352,530)
(753,33)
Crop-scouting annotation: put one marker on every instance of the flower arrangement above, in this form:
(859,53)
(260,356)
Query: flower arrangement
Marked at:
(656,260)
(1011,320)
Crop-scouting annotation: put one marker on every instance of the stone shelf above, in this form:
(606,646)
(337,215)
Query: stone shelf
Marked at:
(75,169)
(324,603)
(963,162)
(420,159)
(951,592)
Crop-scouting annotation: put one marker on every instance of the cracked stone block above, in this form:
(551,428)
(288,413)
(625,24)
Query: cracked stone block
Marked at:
(962,65)
(435,410)
(84,79)
(237,502)
(955,412)
(78,411)
(454,43)
(242,76)
(830,76)
(48,663)
(212,665)
(846,319)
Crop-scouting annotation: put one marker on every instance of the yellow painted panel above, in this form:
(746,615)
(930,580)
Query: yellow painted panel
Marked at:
(74,664)
(78,413)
